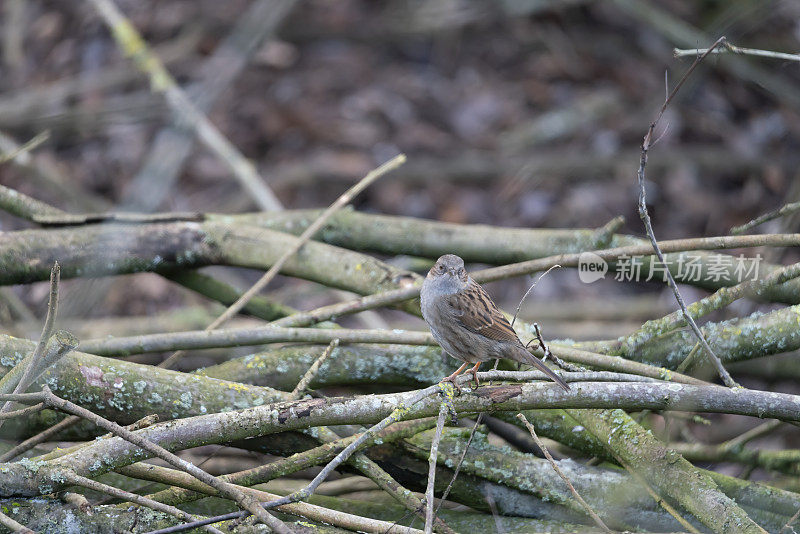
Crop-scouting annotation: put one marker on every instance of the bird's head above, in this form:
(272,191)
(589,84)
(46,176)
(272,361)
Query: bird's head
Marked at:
(449,271)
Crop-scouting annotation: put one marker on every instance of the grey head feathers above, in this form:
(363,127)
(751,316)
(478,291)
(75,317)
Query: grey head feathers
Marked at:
(447,276)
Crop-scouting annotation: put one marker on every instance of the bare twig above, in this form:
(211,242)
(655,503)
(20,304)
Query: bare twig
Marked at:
(547,353)
(717,300)
(41,437)
(312,371)
(753,433)
(282,467)
(592,513)
(233,337)
(493,507)
(533,285)
(492,274)
(340,202)
(59,344)
(437,436)
(144,422)
(689,360)
(24,206)
(733,49)
(27,147)
(788,525)
(22,412)
(645,216)
(173,143)
(393,417)
(47,330)
(786,209)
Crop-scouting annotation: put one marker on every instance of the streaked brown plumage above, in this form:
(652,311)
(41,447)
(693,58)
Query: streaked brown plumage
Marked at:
(466,322)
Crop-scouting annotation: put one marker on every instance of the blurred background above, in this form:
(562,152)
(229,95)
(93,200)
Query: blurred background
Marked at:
(525,113)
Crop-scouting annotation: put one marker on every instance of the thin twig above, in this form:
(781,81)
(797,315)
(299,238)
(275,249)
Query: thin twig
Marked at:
(788,525)
(549,354)
(689,360)
(59,345)
(144,422)
(41,437)
(281,467)
(350,522)
(312,371)
(132,497)
(753,433)
(340,202)
(27,147)
(533,285)
(729,48)
(437,437)
(22,412)
(493,508)
(787,209)
(645,216)
(717,300)
(592,513)
(47,330)
(234,337)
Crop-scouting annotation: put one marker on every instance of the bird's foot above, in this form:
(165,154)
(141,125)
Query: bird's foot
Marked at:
(475,374)
(452,380)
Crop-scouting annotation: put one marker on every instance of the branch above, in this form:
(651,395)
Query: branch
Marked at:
(645,216)
(777,334)
(787,209)
(667,472)
(309,375)
(729,48)
(429,513)
(23,206)
(36,364)
(295,415)
(237,337)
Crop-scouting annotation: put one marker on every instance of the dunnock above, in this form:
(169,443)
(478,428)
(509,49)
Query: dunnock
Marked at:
(466,322)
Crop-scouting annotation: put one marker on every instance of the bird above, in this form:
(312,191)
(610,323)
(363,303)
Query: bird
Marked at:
(467,324)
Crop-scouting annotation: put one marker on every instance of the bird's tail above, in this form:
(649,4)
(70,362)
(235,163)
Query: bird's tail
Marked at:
(523,356)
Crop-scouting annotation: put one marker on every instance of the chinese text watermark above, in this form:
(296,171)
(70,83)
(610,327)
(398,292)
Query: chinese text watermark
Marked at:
(686,267)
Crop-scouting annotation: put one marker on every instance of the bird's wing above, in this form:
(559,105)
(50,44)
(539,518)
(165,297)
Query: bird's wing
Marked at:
(476,311)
